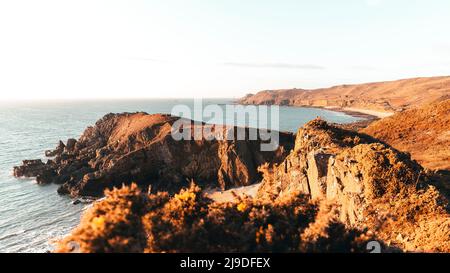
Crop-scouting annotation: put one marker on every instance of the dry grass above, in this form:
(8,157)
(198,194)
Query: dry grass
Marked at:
(130,221)
(414,221)
(423,132)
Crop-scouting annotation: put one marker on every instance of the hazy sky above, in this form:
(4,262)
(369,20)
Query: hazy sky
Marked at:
(214,48)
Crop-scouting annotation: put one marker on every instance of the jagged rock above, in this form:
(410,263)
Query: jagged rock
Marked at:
(70,146)
(343,166)
(59,149)
(235,166)
(366,191)
(43,172)
(317,173)
(29,168)
(137,147)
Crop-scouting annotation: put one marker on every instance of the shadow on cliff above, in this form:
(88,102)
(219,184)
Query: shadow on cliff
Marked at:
(139,147)
(336,191)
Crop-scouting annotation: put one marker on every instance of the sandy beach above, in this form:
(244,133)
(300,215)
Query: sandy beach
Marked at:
(361,112)
(378,114)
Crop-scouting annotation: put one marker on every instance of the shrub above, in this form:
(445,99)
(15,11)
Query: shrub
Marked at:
(128,220)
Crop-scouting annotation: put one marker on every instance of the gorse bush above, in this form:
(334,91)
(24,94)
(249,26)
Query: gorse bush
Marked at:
(111,225)
(128,220)
(189,222)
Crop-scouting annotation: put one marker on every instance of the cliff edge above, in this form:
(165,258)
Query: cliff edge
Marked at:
(138,147)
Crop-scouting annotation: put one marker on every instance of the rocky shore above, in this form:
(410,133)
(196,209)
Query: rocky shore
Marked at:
(325,189)
(137,147)
(335,191)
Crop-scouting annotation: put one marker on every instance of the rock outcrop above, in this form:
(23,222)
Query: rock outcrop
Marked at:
(35,168)
(137,147)
(375,186)
(336,191)
(336,164)
(368,180)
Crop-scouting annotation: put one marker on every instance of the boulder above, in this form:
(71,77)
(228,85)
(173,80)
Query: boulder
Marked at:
(29,168)
(70,146)
(59,149)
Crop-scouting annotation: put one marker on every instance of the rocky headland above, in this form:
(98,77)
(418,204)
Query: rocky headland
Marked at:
(376,99)
(138,147)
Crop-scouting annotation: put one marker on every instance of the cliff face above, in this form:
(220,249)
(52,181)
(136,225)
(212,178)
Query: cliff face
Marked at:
(384,96)
(424,132)
(336,191)
(125,148)
(331,163)
(375,186)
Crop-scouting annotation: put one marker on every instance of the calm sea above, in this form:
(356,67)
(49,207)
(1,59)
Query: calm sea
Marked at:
(32,216)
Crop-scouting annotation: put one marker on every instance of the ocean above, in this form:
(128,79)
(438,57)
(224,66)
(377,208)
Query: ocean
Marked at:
(33,216)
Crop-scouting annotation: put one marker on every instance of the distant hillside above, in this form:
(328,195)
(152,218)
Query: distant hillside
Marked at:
(423,132)
(383,96)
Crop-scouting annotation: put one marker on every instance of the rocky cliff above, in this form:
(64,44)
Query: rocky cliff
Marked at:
(336,191)
(137,147)
(328,162)
(383,96)
(375,186)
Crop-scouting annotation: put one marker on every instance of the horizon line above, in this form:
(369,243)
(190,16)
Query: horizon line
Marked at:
(3,100)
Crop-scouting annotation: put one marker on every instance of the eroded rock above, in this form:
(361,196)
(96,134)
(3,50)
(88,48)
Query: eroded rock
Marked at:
(137,147)
(342,166)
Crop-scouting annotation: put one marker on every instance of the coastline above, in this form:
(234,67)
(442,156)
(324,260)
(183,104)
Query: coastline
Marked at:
(367,118)
(366,160)
(367,115)
(378,114)
(221,196)
(257,190)
(356,112)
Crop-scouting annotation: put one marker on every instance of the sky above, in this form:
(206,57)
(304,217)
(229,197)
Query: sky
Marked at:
(214,48)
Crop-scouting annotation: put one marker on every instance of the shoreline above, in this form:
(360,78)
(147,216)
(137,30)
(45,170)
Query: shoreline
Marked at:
(366,114)
(367,119)
(377,114)
(351,112)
